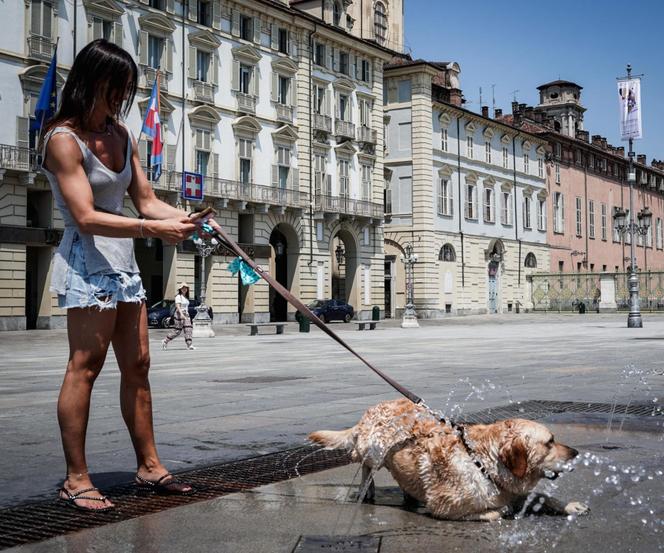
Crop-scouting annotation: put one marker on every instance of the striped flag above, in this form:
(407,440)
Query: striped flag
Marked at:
(152,129)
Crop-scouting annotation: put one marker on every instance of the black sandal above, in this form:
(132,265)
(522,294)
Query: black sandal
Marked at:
(172,487)
(71,499)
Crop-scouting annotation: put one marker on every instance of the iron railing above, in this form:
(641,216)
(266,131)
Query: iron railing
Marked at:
(349,206)
(367,135)
(203,92)
(40,47)
(150,75)
(17,158)
(651,290)
(344,129)
(565,291)
(284,113)
(322,123)
(246,103)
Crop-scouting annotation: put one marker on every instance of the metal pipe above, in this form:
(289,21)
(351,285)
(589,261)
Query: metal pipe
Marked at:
(463,261)
(75,28)
(185,7)
(311,147)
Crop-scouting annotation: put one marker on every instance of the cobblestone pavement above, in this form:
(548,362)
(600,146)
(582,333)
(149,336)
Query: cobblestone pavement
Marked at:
(237,396)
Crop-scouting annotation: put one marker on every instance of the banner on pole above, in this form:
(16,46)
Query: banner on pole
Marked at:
(629,93)
(192,186)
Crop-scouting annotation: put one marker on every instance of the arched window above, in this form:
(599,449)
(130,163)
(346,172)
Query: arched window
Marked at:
(336,13)
(531,261)
(380,23)
(447,253)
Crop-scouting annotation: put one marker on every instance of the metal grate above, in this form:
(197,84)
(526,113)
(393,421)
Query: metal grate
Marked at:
(337,544)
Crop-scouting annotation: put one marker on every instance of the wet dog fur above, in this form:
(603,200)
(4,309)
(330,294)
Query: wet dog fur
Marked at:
(430,463)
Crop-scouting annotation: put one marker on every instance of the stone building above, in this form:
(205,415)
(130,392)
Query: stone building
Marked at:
(279,110)
(467,191)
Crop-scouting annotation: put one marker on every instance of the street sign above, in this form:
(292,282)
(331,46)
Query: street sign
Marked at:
(192,186)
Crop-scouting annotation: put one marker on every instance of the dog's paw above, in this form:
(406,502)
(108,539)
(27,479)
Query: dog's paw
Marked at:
(490,516)
(576,508)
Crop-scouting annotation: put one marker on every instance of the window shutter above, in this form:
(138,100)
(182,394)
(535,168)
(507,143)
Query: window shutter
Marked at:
(332,64)
(193,10)
(291,92)
(215,165)
(274,37)
(353,63)
(235,77)
(23,132)
(214,60)
(275,87)
(170,6)
(168,47)
(327,103)
(254,80)
(117,33)
(191,68)
(235,23)
(562,212)
(292,45)
(216,14)
(275,175)
(171,153)
(143,48)
(206,140)
(143,153)
(328,185)
(257,29)
(295,178)
(96,28)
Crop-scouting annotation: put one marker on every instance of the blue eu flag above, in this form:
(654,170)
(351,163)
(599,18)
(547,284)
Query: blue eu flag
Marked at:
(48,97)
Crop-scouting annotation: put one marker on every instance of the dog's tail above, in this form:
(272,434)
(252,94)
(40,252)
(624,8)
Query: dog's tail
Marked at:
(332,439)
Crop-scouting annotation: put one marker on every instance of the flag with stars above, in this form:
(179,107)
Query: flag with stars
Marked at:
(48,97)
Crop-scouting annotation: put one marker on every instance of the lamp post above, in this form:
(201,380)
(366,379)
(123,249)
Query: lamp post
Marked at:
(408,258)
(202,322)
(626,225)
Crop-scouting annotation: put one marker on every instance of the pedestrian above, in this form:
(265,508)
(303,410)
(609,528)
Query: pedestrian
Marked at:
(91,161)
(182,318)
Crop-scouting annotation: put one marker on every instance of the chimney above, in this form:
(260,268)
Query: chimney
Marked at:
(641,158)
(603,143)
(485,111)
(497,113)
(620,150)
(583,135)
(658,164)
(596,140)
(515,108)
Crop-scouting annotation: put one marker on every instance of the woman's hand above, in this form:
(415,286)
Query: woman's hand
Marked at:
(172,230)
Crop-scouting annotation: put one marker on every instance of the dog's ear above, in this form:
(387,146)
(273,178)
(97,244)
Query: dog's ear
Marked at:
(514,455)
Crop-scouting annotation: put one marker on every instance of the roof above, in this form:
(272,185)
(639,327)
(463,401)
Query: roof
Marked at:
(559,83)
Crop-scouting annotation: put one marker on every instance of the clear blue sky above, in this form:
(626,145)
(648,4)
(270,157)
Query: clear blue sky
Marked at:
(520,45)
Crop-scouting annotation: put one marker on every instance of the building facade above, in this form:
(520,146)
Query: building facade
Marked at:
(278,110)
(468,192)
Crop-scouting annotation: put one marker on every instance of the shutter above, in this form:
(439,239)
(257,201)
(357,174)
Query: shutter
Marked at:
(254,81)
(275,87)
(23,132)
(369,71)
(193,10)
(216,14)
(291,92)
(170,6)
(143,153)
(96,28)
(256,21)
(331,54)
(168,47)
(328,185)
(292,45)
(143,48)
(207,143)
(562,212)
(275,175)
(214,60)
(117,33)
(235,23)
(191,68)
(295,178)
(274,37)
(327,104)
(215,165)
(235,77)
(352,65)
(171,154)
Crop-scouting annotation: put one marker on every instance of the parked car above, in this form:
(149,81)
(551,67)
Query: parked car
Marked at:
(161,313)
(332,310)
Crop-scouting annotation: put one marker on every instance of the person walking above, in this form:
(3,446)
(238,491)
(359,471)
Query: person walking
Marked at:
(91,161)
(182,318)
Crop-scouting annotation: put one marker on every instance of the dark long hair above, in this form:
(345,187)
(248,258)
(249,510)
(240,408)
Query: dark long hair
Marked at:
(100,68)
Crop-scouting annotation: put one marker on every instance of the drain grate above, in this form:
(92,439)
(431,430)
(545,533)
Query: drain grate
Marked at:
(37,521)
(337,544)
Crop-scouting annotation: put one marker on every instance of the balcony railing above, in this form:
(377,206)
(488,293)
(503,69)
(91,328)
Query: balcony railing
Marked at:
(19,159)
(246,103)
(40,47)
(322,123)
(344,129)
(203,92)
(284,113)
(349,206)
(149,76)
(367,135)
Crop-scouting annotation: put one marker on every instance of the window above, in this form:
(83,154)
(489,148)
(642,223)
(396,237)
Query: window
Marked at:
(319,55)
(469,147)
(344,107)
(336,14)
(320,163)
(443,140)
(380,23)
(344,65)
(366,182)
(202,150)
(603,220)
(319,100)
(365,71)
(283,41)
(155,49)
(541,214)
(591,219)
(488,205)
(41,18)
(444,197)
(557,148)
(447,254)
(344,178)
(365,112)
(531,261)
(557,173)
(202,159)
(558,212)
(102,28)
(616,232)
(283,164)
(471,201)
(246,27)
(202,65)
(526,162)
(246,74)
(506,157)
(540,168)
(403,91)
(204,16)
(245,150)
(283,92)
(527,212)
(506,208)
(487,151)
(579,208)
(659,237)
(158,4)
(649,237)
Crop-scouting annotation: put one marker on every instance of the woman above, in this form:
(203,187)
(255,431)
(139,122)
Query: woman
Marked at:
(91,160)
(182,319)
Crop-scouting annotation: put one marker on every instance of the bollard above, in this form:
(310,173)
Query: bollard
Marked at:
(375,313)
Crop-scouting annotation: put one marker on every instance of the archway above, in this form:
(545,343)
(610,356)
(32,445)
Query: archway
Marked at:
(343,255)
(283,265)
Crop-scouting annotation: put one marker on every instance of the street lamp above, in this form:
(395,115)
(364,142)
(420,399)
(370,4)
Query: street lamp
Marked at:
(408,258)
(339,253)
(624,223)
(202,322)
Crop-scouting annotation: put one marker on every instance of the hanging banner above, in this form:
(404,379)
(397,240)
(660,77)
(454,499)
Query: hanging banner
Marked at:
(629,91)
(192,186)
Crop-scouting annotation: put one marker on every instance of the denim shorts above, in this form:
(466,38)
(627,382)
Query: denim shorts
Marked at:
(103,291)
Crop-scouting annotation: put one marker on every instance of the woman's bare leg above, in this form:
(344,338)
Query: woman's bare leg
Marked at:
(89,331)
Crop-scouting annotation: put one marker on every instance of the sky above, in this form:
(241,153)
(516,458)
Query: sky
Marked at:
(520,45)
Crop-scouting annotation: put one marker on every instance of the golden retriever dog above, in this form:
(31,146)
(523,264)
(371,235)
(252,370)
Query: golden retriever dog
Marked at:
(480,472)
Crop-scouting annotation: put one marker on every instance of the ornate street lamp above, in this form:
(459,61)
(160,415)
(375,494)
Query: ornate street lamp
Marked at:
(408,258)
(625,224)
(339,253)
(202,322)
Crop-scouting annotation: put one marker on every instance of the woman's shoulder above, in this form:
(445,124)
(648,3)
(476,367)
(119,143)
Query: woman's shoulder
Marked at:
(63,147)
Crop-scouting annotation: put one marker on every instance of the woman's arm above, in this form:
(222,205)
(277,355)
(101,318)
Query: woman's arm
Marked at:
(65,160)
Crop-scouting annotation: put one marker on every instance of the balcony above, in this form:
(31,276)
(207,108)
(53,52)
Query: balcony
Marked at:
(246,103)
(150,75)
(367,135)
(17,159)
(349,206)
(40,47)
(203,92)
(284,113)
(322,123)
(344,129)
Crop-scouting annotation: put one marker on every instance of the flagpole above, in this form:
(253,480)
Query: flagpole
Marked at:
(41,125)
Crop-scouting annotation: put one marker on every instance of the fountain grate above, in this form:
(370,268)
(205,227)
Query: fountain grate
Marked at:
(337,544)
